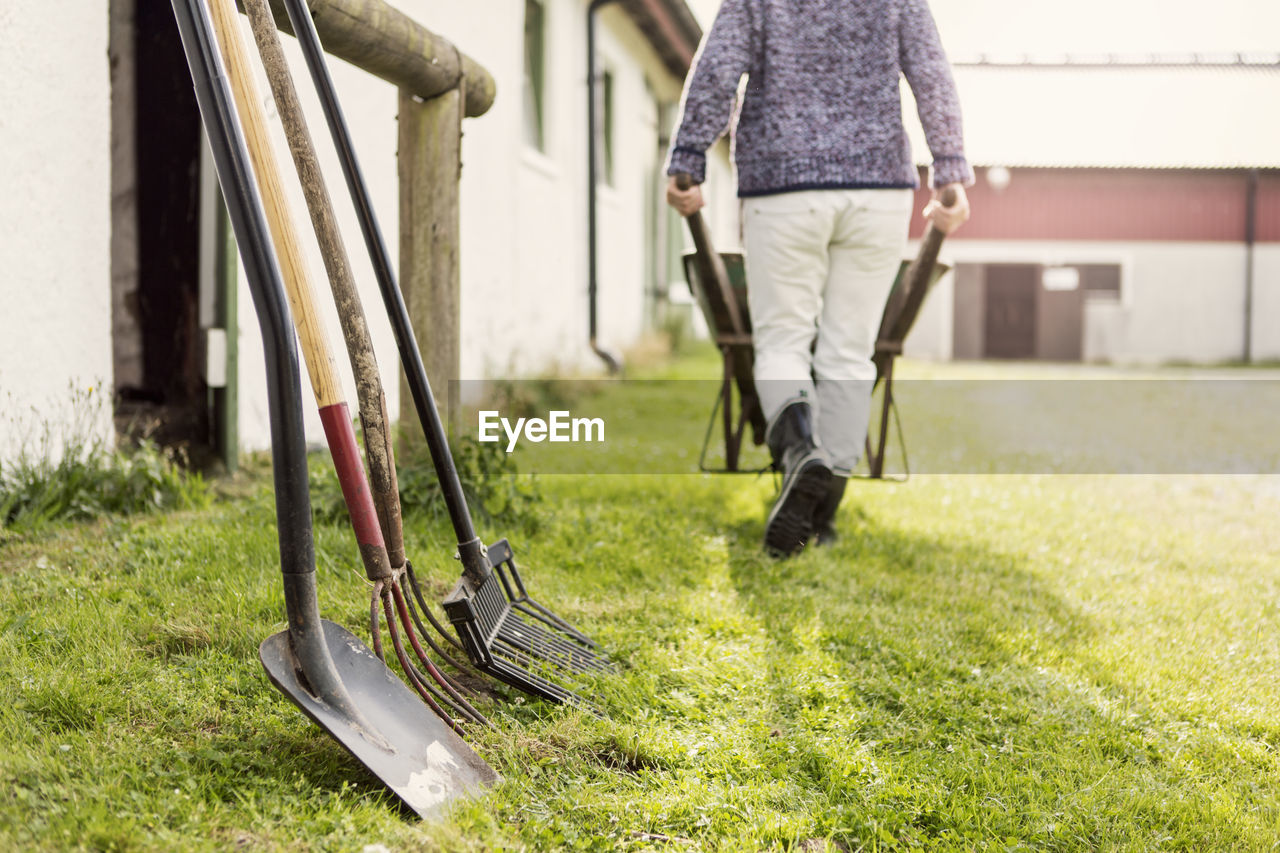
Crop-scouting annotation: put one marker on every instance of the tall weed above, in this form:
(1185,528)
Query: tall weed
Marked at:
(65,466)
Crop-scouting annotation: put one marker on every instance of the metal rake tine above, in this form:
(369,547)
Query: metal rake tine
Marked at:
(517,595)
(416,589)
(521,665)
(509,668)
(545,644)
(427,635)
(423,691)
(532,660)
(440,678)
(514,625)
(517,640)
(419,681)
(532,608)
(503,611)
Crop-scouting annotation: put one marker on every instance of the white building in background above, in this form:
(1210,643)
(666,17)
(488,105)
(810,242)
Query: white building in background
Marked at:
(1127,210)
(115,269)
(55,208)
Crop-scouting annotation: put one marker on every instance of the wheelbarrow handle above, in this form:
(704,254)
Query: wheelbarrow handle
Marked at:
(917,277)
(710,264)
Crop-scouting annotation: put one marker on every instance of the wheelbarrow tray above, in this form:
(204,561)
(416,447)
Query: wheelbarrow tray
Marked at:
(900,313)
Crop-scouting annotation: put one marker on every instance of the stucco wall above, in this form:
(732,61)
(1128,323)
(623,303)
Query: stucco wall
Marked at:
(55,326)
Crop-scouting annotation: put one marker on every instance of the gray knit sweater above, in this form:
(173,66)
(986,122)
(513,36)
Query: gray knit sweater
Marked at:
(822,107)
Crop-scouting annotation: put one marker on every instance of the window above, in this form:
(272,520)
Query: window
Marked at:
(1100,281)
(535,27)
(606,96)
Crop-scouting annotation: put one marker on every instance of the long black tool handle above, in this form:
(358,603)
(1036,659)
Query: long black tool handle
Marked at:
(406,342)
(284,386)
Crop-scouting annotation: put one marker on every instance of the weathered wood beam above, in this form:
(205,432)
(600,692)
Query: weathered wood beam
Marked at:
(387,43)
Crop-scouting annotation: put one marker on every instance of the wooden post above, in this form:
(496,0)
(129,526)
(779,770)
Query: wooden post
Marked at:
(430,165)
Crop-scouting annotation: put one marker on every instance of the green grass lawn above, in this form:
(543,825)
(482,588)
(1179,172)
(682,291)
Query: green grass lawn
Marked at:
(982,662)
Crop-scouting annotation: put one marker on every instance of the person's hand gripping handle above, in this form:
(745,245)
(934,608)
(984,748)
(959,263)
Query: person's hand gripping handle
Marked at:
(948,209)
(684,195)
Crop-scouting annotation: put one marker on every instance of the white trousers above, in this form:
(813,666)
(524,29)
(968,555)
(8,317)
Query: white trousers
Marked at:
(820,265)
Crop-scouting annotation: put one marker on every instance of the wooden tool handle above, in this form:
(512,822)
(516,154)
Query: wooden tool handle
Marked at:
(302,302)
(932,236)
(370,396)
(315,347)
(920,269)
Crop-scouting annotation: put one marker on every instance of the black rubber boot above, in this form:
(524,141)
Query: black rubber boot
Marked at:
(824,515)
(805,478)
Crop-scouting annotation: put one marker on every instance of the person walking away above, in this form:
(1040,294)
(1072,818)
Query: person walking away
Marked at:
(826,177)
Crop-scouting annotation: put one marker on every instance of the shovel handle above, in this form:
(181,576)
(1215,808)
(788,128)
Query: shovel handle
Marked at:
(315,349)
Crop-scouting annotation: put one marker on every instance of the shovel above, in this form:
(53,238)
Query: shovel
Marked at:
(503,631)
(364,366)
(320,666)
(334,414)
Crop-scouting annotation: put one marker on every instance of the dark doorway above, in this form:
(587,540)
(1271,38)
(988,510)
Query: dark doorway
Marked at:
(160,390)
(1026,311)
(1010,310)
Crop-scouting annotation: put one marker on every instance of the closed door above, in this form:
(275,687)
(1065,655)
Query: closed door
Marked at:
(1010,310)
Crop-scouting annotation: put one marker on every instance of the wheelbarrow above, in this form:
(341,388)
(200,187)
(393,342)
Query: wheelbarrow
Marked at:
(718,282)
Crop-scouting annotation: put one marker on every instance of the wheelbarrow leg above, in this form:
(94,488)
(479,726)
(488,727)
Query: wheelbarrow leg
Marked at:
(875,458)
(732,437)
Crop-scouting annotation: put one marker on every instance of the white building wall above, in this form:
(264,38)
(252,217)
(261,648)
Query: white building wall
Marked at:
(1179,301)
(55,208)
(1187,303)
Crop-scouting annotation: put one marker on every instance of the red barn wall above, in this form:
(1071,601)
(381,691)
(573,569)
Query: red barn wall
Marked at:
(1119,204)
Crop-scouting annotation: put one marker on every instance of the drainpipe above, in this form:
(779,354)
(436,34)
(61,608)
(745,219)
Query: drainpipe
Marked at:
(614,365)
(1250,237)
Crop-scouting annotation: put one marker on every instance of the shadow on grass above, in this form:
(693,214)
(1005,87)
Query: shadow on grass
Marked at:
(303,757)
(925,692)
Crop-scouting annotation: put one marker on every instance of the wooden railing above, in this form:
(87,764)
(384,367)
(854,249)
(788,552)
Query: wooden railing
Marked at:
(387,43)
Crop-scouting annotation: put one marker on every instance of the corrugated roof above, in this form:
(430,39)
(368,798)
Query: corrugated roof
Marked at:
(1117,112)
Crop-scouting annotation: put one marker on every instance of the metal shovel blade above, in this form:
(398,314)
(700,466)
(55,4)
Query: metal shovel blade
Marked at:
(411,750)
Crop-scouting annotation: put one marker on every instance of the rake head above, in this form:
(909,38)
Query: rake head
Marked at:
(515,639)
